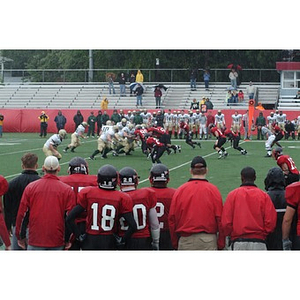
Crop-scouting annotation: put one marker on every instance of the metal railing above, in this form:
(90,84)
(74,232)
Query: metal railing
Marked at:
(150,75)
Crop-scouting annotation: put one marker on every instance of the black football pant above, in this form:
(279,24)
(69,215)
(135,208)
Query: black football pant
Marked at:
(139,244)
(99,242)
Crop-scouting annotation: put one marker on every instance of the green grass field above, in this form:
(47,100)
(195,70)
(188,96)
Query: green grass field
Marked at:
(224,173)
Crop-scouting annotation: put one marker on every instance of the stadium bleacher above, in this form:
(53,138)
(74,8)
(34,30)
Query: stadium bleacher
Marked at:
(177,96)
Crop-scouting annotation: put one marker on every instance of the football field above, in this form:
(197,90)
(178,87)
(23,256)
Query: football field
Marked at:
(225,173)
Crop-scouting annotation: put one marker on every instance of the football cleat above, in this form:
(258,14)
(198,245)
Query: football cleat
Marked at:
(199,144)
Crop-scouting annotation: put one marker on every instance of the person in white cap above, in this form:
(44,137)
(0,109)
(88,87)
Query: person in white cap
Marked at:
(43,208)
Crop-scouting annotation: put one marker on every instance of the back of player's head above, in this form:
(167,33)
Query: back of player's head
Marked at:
(275,179)
(248,174)
(159,175)
(128,177)
(78,165)
(107,177)
(29,160)
(277,152)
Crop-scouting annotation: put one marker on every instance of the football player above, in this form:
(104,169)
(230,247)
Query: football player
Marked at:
(76,136)
(79,178)
(270,139)
(104,206)
(144,212)
(4,236)
(221,140)
(287,165)
(220,119)
(235,139)
(188,135)
(159,178)
(50,147)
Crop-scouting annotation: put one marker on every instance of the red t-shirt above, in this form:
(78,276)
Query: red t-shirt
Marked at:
(47,200)
(143,200)
(286,159)
(248,213)
(196,207)
(164,199)
(292,196)
(103,208)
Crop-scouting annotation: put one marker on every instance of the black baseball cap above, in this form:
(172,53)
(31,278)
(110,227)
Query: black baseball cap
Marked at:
(198,162)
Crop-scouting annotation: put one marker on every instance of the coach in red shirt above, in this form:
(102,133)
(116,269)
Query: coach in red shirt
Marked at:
(195,212)
(43,208)
(248,214)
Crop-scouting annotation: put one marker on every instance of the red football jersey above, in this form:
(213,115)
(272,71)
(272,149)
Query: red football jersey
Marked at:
(184,126)
(79,181)
(143,200)
(164,199)
(141,133)
(157,131)
(47,200)
(217,132)
(151,142)
(195,207)
(229,133)
(248,212)
(103,208)
(292,196)
(286,159)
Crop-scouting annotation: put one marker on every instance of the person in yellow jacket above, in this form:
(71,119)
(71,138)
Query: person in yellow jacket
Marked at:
(104,103)
(44,124)
(139,76)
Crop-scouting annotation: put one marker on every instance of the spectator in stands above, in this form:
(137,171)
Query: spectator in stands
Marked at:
(1,125)
(240,96)
(195,104)
(193,79)
(206,78)
(139,95)
(209,104)
(78,119)
(122,82)
(157,95)
(131,80)
(251,89)
(110,81)
(60,121)
(104,103)
(139,76)
(234,97)
(99,122)
(233,75)
(91,122)
(228,97)
(44,124)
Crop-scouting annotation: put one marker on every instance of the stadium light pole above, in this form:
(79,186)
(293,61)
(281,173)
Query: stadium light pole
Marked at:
(90,65)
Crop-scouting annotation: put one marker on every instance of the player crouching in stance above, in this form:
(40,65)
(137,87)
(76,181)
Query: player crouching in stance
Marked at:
(235,139)
(188,135)
(144,201)
(104,206)
(221,140)
(156,148)
(76,136)
(159,178)
(50,147)
(287,165)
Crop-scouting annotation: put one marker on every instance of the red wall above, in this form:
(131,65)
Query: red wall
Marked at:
(26,120)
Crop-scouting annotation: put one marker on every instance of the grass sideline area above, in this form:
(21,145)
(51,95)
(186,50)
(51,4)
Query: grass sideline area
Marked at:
(224,173)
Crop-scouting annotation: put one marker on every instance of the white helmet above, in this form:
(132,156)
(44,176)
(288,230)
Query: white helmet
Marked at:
(62,133)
